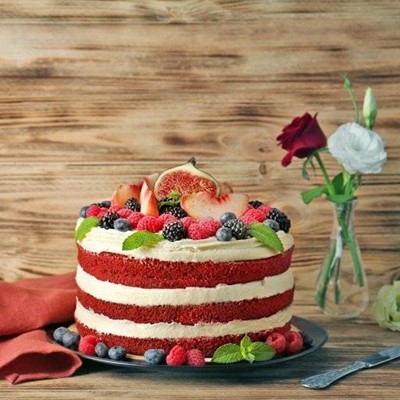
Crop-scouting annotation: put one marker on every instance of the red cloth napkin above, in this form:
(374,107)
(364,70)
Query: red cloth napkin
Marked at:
(26,353)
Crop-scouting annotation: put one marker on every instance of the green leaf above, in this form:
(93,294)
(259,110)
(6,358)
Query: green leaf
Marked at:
(266,236)
(141,239)
(315,192)
(173,199)
(341,198)
(262,351)
(85,227)
(227,354)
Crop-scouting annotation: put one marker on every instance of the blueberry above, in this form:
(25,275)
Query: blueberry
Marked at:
(82,212)
(224,234)
(117,353)
(154,356)
(122,224)
(59,333)
(70,339)
(105,204)
(225,217)
(307,340)
(272,224)
(101,350)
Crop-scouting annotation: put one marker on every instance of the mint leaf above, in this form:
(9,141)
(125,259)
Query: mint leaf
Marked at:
(266,236)
(246,347)
(227,354)
(313,193)
(141,239)
(262,351)
(85,227)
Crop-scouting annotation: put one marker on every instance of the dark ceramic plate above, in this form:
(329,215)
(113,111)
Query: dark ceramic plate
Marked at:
(317,332)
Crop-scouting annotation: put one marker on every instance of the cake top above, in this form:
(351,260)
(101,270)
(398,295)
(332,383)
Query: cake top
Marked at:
(180,206)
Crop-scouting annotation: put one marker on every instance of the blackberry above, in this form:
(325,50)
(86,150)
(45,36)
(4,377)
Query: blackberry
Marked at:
(107,222)
(173,231)
(132,204)
(238,228)
(176,211)
(281,218)
(256,203)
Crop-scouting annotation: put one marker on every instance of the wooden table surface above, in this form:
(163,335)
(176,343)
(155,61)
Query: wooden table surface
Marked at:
(95,93)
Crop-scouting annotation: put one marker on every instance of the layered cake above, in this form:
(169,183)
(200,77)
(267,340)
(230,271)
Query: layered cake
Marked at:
(179,258)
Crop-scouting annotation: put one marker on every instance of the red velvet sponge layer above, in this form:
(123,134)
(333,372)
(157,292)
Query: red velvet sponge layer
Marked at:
(151,273)
(190,314)
(207,345)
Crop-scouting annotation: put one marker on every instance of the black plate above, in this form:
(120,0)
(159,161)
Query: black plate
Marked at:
(317,332)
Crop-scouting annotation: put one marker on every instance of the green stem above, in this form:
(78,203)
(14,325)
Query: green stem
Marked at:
(349,89)
(328,182)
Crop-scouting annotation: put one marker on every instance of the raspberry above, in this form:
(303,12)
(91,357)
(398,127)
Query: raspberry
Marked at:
(195,358)
(125,213)
(210,225)
(134,219)
(197,232)
(87,345)
(164,218)
(294,342)
(265,209)
(177,356)
(187,221)
(253,215)
(277,341)
(114,209)
(149,223)
(94,210)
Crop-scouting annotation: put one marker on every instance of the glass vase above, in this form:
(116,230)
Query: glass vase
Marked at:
(342,290)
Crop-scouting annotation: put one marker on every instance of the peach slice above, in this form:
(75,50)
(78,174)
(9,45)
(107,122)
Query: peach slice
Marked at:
(126,191)
(203,204)
(148,201)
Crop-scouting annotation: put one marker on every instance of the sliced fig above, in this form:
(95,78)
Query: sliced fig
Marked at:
(203,204)
(126,191)
(225,188)
(185,179)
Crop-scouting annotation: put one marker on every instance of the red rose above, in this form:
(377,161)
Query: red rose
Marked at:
(301,138)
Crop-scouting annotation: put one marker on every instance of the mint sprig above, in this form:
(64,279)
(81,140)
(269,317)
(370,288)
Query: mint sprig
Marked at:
(141,239)
(85,227)
(247,350)
(266,235)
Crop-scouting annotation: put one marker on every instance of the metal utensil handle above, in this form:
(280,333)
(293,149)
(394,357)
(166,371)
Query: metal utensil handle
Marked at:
(323,380)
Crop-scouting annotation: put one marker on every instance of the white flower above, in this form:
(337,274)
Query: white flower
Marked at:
(359,150)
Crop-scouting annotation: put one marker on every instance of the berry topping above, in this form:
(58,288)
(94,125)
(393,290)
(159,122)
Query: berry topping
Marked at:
(252,215)
(197,232)
(94,210)
(265,209)
(117,353)
(108,219)
(185,179)
(177,356)
(155,356)
(238,228)
(176,211)
(59,333)
(124,192)
(173,231)
(195,358)
(101,350)
(87,345)
(134,218)
(224,234)
(114,209)
(277,341)
(203,205)
(256,203)
(164,218)
(281,218)
(149,223)
(294,342)
(226,216)
(122,224)
(132,204)
(272,224)
(82,211)
(187,221)
(307,341)
(70,339)
(105,203)
(125,213)
(210,225)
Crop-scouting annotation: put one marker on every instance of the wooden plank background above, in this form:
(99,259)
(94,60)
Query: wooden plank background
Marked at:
(95,93)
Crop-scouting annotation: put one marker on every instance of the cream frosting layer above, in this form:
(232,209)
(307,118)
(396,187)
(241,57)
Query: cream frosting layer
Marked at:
(103,324)
(117,293)
(102,240)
